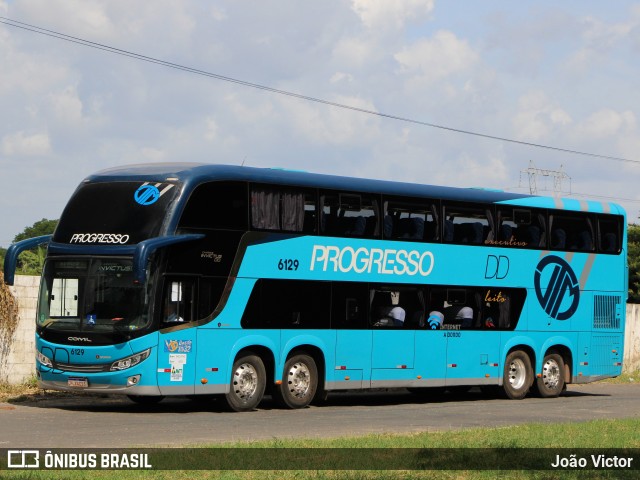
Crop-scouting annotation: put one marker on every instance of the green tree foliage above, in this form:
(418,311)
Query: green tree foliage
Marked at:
(41,227)
(3,252)
(633,256)
(30,262)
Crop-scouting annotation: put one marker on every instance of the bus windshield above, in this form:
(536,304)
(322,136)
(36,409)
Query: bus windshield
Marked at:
(92,295)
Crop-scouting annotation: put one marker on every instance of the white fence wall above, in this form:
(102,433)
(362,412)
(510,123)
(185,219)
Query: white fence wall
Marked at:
(21,362)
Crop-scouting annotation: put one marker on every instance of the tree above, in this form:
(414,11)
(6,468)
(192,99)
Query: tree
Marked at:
(30,262)
(633,257)
(41,227)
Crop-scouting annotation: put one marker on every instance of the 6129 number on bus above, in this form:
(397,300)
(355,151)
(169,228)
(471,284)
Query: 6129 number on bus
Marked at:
(288,264)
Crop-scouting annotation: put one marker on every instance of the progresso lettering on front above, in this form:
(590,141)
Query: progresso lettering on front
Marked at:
(110,238)
(372,260)
(561,285)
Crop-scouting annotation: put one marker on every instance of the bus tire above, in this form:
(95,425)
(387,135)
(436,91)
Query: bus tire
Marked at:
(248,381)
(518,375)
(550,383)
(299,382)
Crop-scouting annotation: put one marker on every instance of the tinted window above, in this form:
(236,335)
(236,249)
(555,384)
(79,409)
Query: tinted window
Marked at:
(217,205)
(520,228)
(571,232)
(349,215)
(282,209)
(406,219)
(467,225)
(288,304)
(397,306)
(456,308)
(117,213)
(350,303)
(610,234)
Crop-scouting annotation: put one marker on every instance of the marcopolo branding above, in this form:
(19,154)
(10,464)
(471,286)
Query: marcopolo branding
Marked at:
(372,260)
(561,285)
(108,238)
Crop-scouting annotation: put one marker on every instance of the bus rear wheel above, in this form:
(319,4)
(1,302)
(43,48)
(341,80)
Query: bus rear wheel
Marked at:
(299,382)
(248,381)
(518,375)
(551,382)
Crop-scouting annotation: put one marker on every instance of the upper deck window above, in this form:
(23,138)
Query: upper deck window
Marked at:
(349,215)
(520,228)
(217,205)
(468,225)
(413,220)
(571,232)
(283,209)
(115,213)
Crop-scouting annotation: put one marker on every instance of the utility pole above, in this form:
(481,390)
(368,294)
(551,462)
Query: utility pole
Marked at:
(557,175)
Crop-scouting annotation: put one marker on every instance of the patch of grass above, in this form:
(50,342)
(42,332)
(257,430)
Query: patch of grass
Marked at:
(632,377)
(598,434)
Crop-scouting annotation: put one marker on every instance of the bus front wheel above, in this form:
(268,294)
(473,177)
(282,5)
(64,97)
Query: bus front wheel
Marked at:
(248,381)
(551,382)
(518,375)
(299,382)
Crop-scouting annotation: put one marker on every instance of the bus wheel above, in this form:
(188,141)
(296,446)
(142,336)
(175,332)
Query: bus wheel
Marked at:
(145,399)
(248,381)
(299,382)
(518,375)
(551,383)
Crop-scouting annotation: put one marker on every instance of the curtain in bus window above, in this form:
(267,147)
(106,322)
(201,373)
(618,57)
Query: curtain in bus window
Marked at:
(265,209)
(292,212)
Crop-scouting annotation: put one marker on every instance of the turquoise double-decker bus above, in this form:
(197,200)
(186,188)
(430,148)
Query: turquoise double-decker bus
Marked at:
(190,279)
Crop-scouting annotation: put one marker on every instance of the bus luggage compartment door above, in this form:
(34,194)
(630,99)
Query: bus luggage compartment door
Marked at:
(392,358)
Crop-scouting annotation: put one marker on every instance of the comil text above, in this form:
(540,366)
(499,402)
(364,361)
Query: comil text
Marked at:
(372,260)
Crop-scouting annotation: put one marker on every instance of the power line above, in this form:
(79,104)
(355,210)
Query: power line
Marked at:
(145,58)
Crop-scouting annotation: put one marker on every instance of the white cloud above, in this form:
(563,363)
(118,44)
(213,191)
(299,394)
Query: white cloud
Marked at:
(432,59)
(537,117)
(606,123)
(385,14)
(24,144)
(67,106)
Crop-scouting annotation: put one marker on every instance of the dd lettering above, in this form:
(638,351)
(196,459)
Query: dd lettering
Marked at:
(497,267)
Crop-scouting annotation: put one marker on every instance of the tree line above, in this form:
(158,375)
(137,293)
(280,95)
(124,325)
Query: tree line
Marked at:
(31,262)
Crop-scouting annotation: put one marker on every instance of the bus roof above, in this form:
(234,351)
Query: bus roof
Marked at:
(193,174)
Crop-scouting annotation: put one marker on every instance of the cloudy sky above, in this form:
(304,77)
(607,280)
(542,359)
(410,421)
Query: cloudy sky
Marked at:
(561,74)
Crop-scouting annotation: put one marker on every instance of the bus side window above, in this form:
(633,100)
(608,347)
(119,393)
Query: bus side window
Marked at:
(178,301)
(349,305)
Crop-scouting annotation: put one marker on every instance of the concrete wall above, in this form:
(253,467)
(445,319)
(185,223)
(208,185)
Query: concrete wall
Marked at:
(21,362)
(632,339)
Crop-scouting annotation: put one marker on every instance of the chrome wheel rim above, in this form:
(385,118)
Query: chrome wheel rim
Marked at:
(245,381)
(299,380)
(551,374)
(517,374)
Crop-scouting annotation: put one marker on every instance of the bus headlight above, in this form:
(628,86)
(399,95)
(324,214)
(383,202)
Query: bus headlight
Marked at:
(44,360)
(131,361)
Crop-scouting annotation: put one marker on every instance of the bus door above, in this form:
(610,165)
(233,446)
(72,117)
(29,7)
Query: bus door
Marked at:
(177,344)
(393,351)
(350,303)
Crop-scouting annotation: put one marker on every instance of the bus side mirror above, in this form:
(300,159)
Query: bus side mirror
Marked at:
(11,258)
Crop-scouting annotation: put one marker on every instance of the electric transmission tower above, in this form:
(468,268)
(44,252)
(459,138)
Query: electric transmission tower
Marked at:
(558,177)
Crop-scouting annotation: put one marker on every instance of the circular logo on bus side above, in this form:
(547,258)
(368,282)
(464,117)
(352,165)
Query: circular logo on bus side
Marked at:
(557,287)
(147,195)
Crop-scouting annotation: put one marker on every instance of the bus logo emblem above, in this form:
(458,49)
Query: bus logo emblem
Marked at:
(561,285)
(147,194)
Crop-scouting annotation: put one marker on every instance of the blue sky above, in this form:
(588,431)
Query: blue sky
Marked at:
(555,73)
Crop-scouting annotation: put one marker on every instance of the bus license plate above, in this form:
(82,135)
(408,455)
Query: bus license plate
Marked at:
(78,382)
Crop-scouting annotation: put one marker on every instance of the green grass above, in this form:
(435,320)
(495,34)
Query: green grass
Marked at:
(598,434)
